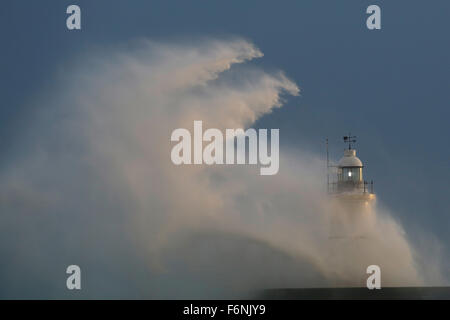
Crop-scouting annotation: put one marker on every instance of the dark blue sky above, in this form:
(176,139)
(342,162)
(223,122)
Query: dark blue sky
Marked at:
(390,87)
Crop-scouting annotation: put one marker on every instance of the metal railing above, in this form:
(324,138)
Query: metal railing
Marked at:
(350,186)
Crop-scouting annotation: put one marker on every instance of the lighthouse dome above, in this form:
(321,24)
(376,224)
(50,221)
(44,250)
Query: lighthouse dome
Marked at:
(350,159)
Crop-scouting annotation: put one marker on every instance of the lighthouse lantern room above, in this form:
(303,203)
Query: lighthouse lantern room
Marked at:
(350,179)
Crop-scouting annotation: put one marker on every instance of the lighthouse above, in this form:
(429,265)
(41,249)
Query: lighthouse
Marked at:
(349,186)
(352,216)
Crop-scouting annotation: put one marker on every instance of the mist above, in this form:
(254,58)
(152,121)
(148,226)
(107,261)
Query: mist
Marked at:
(90,182)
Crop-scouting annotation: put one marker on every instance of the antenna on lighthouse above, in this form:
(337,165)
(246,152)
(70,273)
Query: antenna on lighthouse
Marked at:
(350,139)
(328,170)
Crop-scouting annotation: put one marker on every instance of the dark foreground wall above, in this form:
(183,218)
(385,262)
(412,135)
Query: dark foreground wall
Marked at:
(390,293)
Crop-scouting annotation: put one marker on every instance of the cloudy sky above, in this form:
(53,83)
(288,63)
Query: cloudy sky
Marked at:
(389,87)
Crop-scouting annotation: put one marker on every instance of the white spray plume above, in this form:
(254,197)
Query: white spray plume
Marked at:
(95,186)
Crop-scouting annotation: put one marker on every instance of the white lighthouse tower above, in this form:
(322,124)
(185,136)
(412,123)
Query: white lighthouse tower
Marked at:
(349,186)
(352,218)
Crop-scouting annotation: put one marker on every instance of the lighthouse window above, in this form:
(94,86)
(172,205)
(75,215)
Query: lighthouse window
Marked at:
(351,174)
